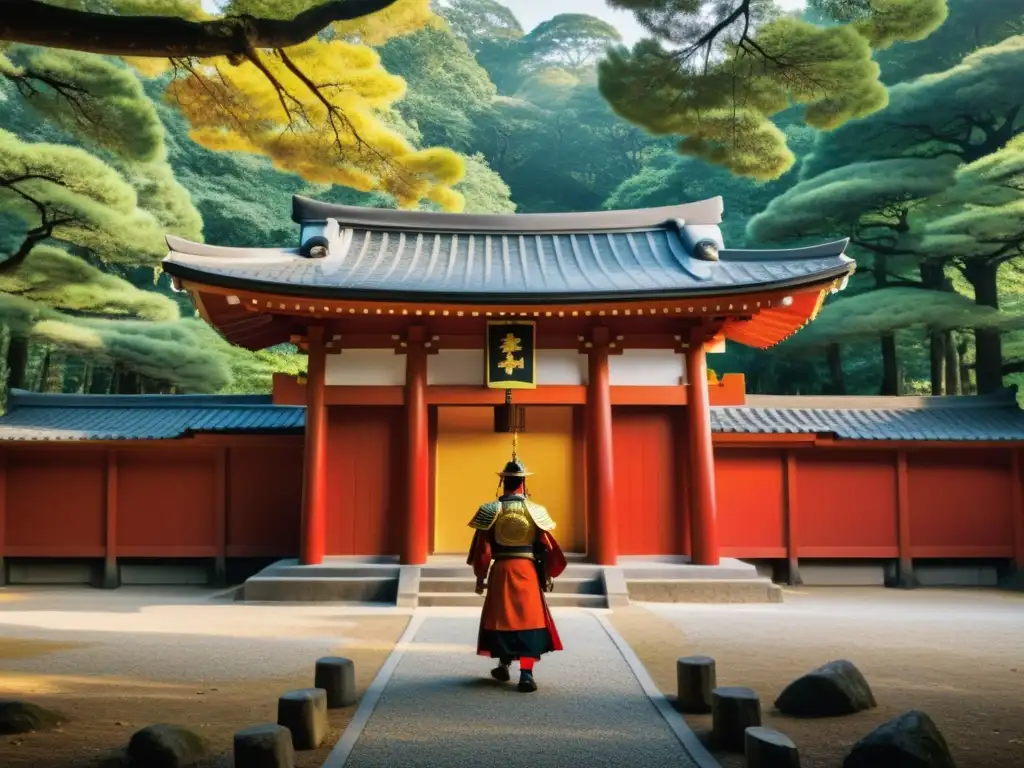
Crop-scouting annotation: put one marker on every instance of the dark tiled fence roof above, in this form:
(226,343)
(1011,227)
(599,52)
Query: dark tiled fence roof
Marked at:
(141,417)
(34,417)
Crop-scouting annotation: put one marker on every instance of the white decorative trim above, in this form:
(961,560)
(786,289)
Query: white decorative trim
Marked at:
(647,368)
(697,751)
(365,368)
(340,754)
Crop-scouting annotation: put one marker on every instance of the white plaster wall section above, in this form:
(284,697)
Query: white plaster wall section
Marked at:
(456,367)
(647,368)
(365,368)
(465,367)
(561,367)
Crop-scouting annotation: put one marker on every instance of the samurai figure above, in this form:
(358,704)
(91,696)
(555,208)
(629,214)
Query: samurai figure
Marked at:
(513,539)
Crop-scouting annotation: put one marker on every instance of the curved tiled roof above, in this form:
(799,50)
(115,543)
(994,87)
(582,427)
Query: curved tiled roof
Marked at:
(387,255)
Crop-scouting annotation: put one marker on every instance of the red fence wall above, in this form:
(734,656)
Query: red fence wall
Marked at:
(220,496)
(208,497)
(870,502)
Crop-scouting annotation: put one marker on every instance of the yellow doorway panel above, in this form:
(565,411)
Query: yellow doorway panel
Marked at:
(470,454)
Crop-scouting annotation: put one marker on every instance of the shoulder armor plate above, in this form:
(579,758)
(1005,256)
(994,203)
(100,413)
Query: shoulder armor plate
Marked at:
(540,516)
(484,517)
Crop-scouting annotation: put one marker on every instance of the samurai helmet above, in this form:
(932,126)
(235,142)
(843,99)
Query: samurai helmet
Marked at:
(515,468)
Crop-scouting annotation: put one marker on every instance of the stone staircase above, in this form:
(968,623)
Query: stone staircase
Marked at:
(447,581)
(442,584)
(337,580)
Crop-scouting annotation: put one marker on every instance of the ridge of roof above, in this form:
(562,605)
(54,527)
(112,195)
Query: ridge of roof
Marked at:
(306,211)
(20,398)
(816,251)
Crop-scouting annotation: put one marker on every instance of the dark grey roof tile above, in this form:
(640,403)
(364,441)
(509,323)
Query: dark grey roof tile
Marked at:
(163,417)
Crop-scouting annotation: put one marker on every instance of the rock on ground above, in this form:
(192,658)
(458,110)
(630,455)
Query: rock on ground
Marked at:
(165,746)
(23,717)
(911,740)
(836,688)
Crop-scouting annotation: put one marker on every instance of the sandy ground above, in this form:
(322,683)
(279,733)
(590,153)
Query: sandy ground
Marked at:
(114,662)
(957,655)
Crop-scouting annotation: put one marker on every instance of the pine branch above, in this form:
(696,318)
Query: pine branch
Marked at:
(34,22)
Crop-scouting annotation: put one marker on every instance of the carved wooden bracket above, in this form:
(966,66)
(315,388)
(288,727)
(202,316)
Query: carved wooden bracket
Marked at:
(416,335)
(600,336)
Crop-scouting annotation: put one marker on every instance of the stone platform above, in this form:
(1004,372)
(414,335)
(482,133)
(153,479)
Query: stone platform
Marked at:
(446,580)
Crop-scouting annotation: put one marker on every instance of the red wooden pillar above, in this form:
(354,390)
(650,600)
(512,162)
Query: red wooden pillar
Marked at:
(3,516)
(417,507)
(1016,509)
(905,576)
(703,512)
(111,574)
(220,501)
(314,484)
(603,524)
(792,512)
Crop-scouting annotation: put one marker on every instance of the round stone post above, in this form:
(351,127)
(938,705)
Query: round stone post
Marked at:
(304,713)
(695,680)
(337,676)
(264,746)
(733,710)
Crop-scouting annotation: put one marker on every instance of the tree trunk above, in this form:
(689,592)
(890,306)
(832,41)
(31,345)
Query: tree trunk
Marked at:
(44,373)
(17,362)
(86,384)
(933,277)
(988,343)
(890,365)
(952,365)
(835,369)
(965,371)
(54,381)
(128,383)
(99,383)
(937,350)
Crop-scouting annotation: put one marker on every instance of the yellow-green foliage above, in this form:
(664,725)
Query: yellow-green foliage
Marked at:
(100,100)
(548,87)
(62,281)
(98,207)
(315,109)
(890,309)
(339,138)
(723,111)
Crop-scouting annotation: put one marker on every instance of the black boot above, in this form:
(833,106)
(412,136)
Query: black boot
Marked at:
(501,672)
(526,682)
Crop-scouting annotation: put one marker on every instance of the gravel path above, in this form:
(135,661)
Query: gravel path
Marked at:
(169,636)
(956,654)
(442,708)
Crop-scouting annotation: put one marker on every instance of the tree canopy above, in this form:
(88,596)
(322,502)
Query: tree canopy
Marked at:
(850,119)
(715,73)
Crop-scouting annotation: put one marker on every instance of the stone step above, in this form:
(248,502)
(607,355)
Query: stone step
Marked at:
(704,591)
(572,571)
(330,570)
(555,600)
(562,585)
(325,589)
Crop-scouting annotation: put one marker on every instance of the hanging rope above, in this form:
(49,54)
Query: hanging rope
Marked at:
(513,423)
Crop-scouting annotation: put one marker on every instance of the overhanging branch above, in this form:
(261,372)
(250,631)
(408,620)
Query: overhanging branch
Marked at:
(38,23)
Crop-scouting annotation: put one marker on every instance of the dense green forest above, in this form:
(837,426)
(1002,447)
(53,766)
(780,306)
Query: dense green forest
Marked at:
(904,133)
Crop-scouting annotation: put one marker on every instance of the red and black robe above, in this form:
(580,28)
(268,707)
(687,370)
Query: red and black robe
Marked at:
(516,622)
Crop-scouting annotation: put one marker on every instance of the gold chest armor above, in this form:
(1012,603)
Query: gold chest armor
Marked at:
(514,526)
